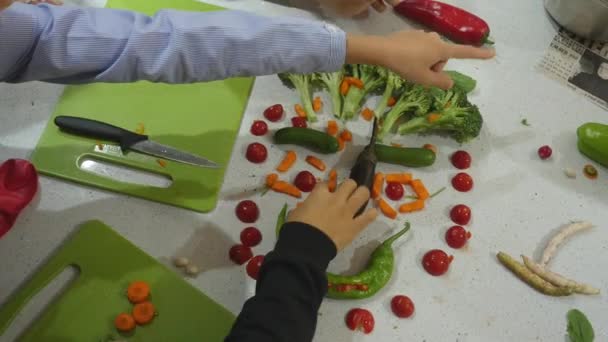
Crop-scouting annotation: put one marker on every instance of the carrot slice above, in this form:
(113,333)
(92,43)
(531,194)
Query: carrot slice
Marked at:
(346,135)
(300,110)
(419,189)
(332,127)
(377,185)
(344,87)
(138,291)
(316,163)
(124,322)
(287,162)
(271,178)
(391,101)
(386,209)
(367,114)
(402,178)
(161,162)
(333,180)
(430,147)
(341,144)
(416,205)
(286,188)
(356,82)
(317,104)
(433,117)
(143,313)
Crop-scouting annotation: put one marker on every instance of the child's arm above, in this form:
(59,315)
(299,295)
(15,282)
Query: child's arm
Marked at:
(292,281)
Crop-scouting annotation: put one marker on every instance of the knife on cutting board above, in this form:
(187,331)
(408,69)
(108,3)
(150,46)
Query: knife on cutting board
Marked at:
(129,140)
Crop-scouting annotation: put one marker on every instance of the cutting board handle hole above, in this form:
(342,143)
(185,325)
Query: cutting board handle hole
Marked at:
(38,303)
(123,173)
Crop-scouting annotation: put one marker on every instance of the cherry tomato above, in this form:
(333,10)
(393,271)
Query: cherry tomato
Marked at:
(247,211)
(461,160)
(305,181)
(251,236)
(360,319)
(259,128)
(436,262)
(457,237)
(545,152)
(402,306)
(239,254)
(394,191)
(297,121)
(253,266)
(462,182)
(274,113)
(256,153)
(460,214)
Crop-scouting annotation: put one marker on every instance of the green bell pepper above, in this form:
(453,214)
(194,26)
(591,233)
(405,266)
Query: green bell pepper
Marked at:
(593,142)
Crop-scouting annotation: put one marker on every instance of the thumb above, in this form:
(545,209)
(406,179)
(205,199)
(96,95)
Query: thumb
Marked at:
(440,80)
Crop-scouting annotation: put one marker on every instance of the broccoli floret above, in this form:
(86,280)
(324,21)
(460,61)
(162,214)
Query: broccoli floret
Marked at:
(416,99)
(372,81)
(444,98)
(460,120)
(393,82)
(331,82)
(303,84)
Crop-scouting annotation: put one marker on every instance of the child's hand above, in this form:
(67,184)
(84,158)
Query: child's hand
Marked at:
(332,213)
(5,3)
(351,8)
(417,56)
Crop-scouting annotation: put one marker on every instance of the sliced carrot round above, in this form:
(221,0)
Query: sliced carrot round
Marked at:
(124,322)
(138,291)
(143,313)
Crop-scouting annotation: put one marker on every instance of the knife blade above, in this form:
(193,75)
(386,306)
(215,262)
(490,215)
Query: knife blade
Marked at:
(129,140)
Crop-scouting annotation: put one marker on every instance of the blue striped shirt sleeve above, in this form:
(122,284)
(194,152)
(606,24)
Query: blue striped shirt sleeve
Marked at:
(73,45)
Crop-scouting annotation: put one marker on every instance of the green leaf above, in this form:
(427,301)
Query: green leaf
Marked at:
(579,327)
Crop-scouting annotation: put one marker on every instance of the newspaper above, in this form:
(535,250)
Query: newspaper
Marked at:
(579,63)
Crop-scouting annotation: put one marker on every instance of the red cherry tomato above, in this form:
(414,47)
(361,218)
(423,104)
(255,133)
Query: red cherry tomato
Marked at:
(259,128)
(460,214)
(305,181)
(436,262)
(545,152)
(461,160)
(247,211)
(457,237)
(274,113)
(402,306)
(251,236)
(253,266)
(394,191)
(299,122)
(256,153)
(360,319)
(462,182)
(239,254)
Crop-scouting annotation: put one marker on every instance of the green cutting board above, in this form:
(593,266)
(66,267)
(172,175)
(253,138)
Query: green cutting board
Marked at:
(201,118)
(86,310)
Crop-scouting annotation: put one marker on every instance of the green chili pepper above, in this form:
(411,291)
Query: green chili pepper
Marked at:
(307,137)
(406,156)
(375,276)
(593,142)
(281,219)
(530,278)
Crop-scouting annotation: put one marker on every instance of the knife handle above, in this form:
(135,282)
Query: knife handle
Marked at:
(99,130)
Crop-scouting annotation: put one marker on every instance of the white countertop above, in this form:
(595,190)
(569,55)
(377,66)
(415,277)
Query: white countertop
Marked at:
(518,201)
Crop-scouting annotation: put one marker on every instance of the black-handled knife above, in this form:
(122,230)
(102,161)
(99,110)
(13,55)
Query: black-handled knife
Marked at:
(128,140)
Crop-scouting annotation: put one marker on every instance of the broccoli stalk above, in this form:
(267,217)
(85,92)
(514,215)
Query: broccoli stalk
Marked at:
(303,84)
(371,79)
(393,82)
(415,99)
(331,81)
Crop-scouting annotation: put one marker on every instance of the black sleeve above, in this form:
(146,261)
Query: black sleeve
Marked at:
(290,288)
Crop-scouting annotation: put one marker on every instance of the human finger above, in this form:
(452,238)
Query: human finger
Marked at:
(365,219)
(358,199)
(345,190)
(470,52)
(379,6)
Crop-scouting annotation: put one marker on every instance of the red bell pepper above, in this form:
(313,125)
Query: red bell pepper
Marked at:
(18,185)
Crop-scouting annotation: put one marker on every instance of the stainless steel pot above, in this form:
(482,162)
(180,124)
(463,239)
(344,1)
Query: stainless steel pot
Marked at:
(586,18)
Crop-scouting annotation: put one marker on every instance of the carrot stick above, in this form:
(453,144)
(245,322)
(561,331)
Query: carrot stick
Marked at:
(344,86)
(300,110)
(346,135)
(391,101)
(332,127)
(412,206)
(377,185)
(317,104)
(355,82)
(367,114)
(433,117)
(124,322)
(333,180)
(386,209)
(271,178)
(286,188)
(143,313)
(402,178)
(419,189)
(287,162)
(316,163)
(138,291)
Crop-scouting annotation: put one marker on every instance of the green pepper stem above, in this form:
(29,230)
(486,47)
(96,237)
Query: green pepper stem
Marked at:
(393,238)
